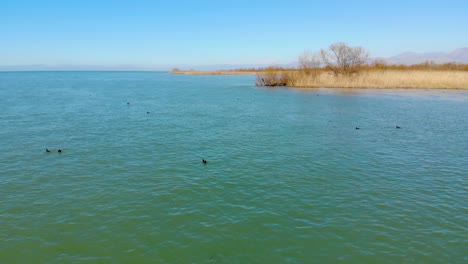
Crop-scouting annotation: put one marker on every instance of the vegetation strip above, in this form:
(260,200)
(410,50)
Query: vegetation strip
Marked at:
(342,66)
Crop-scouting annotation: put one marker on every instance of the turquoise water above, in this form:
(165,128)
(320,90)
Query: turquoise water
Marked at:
(289,179)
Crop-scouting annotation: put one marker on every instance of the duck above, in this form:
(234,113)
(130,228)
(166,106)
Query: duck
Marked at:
(398,127)
(204,161)
(47,150)
(357,128)
(59,151)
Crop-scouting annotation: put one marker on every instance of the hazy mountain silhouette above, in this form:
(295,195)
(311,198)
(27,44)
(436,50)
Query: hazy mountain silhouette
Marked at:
(457,56)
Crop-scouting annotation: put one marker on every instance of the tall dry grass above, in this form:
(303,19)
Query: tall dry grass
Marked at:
(384,79)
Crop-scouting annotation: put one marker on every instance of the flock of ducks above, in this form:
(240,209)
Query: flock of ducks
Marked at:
(128,103)
(397,127)
(60,151)
(47,150)
(203,160)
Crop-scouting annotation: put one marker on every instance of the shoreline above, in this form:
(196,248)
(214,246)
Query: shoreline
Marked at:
(371,79)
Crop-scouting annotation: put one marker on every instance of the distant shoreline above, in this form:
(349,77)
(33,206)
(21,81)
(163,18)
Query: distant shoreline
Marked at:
(218,72)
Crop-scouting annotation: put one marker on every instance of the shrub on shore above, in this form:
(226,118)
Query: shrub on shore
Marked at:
(273,76)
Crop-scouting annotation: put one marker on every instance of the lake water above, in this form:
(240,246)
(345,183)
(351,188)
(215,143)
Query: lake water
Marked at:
(288,180)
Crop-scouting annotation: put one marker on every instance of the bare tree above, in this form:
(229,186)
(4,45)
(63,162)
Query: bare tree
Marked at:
(342,59)
(309,60)
(309,63)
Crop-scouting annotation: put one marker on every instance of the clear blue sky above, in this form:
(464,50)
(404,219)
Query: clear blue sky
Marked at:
(171,33)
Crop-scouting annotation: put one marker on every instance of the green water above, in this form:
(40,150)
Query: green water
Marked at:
(288,180)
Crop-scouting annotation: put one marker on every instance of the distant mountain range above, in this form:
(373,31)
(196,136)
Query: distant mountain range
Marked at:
(457,56)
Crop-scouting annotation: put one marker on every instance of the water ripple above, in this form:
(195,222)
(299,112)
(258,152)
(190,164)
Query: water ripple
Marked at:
(289,179)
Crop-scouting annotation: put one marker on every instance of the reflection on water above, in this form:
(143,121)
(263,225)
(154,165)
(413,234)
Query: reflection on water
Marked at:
(424,93)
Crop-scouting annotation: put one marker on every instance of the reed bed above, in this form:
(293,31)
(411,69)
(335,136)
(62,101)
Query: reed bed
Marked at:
(383,79)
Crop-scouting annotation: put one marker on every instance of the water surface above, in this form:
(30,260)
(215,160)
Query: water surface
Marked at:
(289,179)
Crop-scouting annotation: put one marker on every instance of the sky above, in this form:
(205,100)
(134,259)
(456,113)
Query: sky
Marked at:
(158,34)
